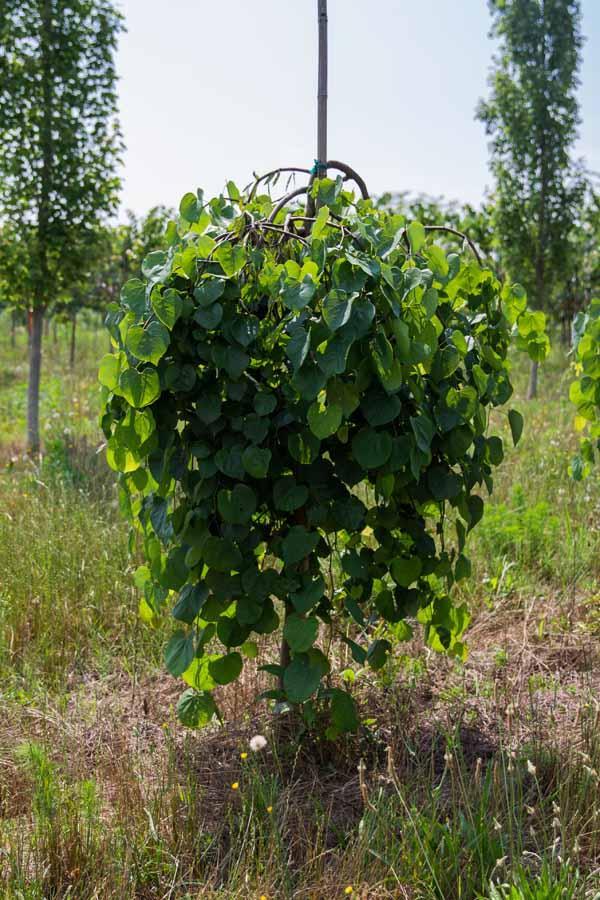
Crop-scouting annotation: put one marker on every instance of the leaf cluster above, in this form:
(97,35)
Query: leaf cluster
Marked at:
(585,390)
(298,409)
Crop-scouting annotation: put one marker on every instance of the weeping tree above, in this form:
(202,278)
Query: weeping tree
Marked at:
(531,117)
(297,406)
(59,148)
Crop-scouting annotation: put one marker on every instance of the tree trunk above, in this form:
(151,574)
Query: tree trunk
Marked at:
(13,328)
(284,650)
(533,381)
(33,387)
(72,347)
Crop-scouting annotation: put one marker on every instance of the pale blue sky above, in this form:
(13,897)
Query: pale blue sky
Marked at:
(215,90)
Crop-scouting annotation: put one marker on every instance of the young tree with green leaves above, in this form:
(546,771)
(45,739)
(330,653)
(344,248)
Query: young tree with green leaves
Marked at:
(59,147)
(531,117)
(270,361)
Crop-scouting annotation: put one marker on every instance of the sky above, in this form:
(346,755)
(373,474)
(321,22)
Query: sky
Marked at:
(211,91)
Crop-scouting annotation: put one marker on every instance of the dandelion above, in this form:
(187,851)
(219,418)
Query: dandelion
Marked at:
(531,768)
(258,742)
(348,890)
(243,756)
(269,809)
(235,785)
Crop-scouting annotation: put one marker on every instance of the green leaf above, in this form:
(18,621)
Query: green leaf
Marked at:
(337,309)
(245,329)
(298,345)
(309,595)
(301,679)
(232,258)
(344,715)
(110,369)
(304,447)
(196,710)
(320,222)
(232,359)
(300,633)
(227,668)
(237,506)
(190,207)
(167,306)
(256,461)
(371,449)
(264,403)
(288,495)
(515,420)
(133,296)
(324,420)
(209,316)
(405,571)
(208,291)
(377,654)
(443,483)
(416,236)
(179,652)
(424,430)
(298,294)
(298,544)
(148,343)
(139,388)
(190,602)
(221,555)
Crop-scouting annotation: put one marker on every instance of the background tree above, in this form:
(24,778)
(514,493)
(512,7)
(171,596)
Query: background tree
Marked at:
(59,146)
(532,118)
(116,257)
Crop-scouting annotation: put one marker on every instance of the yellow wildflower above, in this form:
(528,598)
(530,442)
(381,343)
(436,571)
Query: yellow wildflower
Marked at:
(235,785)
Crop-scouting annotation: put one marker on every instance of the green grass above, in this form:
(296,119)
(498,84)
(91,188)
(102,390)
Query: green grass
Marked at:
(477,781)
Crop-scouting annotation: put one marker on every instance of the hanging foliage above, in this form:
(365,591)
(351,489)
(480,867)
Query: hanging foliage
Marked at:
(297,403)
(585,390)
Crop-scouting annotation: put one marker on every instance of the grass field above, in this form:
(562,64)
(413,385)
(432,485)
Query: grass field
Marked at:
(476,780)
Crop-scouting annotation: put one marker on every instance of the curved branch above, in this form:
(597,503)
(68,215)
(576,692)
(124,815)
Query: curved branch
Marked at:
(350,173)
(273,172)
(345,231)
(460,234)
(284,201)
(282,231)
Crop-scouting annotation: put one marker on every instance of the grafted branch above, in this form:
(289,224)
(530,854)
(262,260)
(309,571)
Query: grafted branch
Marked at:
(272,174)
(459,234)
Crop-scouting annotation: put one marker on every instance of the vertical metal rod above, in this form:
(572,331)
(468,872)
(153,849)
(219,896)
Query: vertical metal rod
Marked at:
(322,91)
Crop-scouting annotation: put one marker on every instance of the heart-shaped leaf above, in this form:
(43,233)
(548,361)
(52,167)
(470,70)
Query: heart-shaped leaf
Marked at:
(148,343)
(139,388)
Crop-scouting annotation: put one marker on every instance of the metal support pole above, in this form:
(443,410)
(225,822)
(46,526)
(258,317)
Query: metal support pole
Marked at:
(322,91)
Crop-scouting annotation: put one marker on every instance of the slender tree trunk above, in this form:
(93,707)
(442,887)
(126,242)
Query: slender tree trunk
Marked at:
(36,315)
(33,387)
(54,331)
(284,650)
(533,381)
(72,347)
(13,328)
